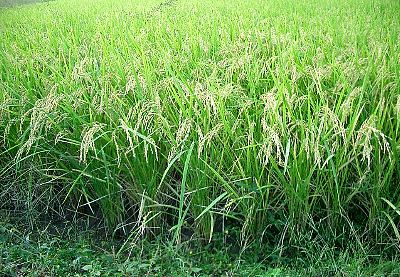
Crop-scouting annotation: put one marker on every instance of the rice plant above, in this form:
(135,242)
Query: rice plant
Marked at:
(190,117)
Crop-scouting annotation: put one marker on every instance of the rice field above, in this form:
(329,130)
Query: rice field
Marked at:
(279,119)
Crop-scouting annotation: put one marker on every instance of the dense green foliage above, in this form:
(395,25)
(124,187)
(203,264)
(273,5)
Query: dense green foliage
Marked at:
(71,251)
(189,118)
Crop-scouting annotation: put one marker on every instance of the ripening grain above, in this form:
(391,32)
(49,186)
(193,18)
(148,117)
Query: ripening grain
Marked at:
(274,116)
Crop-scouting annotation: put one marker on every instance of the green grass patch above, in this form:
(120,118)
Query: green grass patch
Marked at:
(65,252)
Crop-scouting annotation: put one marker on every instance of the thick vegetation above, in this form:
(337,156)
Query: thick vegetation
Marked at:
(62,252)
(279,120)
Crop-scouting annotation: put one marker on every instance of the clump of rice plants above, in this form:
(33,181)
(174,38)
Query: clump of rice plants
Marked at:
(279,118)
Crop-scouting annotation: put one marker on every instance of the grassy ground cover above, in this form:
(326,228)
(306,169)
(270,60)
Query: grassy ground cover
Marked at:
(274,123)
(76,251)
